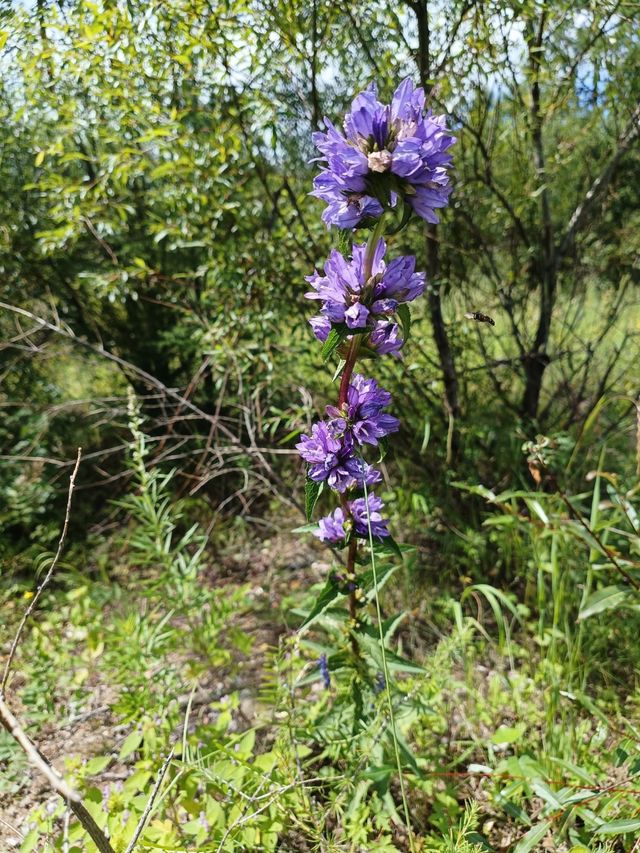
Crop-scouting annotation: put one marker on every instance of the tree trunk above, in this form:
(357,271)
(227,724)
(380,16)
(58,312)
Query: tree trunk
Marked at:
(537,360)
(445,353)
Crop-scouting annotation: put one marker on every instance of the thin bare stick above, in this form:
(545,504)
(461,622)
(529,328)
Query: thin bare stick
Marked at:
(55,780)
(149,806)
(12,725)
(12,828)
(48,576)
(16,731)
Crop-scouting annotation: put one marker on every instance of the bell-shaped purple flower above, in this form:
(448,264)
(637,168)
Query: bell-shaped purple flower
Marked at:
(386,150)
(368,511)
(386,339)
(331,528)
(362,414)
(347,297)
(321,327)
(330,454)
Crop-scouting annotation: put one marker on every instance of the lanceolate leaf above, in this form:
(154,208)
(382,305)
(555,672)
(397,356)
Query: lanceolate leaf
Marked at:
(604,599)
(394,662)
(305,528)
(333,341)
(383,573)
(345,239)
(388,545)
(383,447)
(619,827)
(404,315)
(388,627)
(311,494)
(529,841)
(330,592)
(335,337)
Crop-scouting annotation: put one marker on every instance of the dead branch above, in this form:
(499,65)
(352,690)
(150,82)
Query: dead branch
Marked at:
(11,723)
(48,576)
(149,806)
(579,215)
(16,731)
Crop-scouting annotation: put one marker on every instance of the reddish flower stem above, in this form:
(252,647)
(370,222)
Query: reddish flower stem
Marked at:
(352,357)
(345,379)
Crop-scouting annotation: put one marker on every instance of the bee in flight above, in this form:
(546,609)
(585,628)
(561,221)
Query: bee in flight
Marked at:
(480,318)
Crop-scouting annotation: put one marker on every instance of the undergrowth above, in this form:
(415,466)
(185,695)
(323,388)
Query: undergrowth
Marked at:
(516,718)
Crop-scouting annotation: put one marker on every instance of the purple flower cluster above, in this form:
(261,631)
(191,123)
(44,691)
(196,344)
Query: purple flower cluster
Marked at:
(387,150)
(330,452)
(362,413)
(333,528)
(384,339)
(365,303)
(332,448)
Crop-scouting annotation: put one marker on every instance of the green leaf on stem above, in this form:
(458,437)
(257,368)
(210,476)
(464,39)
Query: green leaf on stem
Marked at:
(388,545)
(404,315)
(329,593)
(312,492)
(407,211)
(339,368)
(395,663)
(383,447)
(609,598)
(533,837)
(383,573)
(389,627)
(619,827)
(345,241)
(335,337)
(305,528)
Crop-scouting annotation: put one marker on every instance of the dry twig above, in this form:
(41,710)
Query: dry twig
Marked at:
(48,576)
(11,723)
(149,806)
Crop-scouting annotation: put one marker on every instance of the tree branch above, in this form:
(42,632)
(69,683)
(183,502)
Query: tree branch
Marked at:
(579,215)
(16,731)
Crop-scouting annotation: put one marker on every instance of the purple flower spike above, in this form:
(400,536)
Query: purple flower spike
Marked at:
(397,139)
(362,516)
(323,666)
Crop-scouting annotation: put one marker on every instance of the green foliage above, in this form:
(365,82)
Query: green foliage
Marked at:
(155,175)
(159,207)
(509,733)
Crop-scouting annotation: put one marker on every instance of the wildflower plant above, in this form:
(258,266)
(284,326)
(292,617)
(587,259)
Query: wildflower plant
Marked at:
(391,162)
(388,165)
